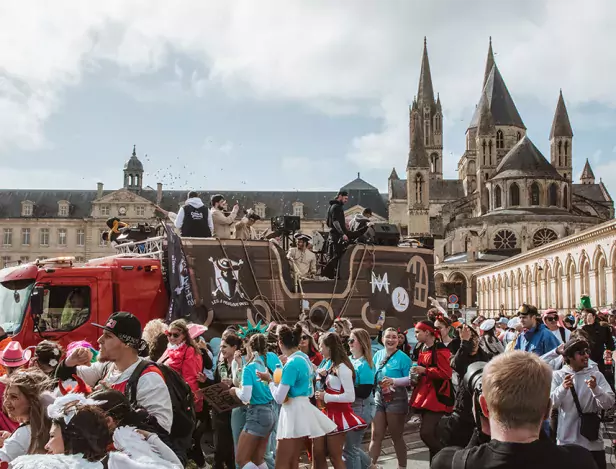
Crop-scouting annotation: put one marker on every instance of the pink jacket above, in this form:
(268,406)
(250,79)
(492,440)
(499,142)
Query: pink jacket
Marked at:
(187,362)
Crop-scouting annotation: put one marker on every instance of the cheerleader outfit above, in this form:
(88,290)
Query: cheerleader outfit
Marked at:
(298,417)
(339,395)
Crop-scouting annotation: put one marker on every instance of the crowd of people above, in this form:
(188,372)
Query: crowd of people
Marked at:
(136,399)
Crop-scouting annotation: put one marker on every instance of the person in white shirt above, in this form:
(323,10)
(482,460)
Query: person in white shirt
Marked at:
(303,261)
(587,383)
(554,323)
(118,359)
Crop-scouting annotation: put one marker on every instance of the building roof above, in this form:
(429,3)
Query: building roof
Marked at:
(446,189)
(489,65)
(486,125)
(46,202)
(133,164)
(592,192)
(525,160)
(425,93)
(587,171)
(398,189)
(500,102)
(358,184)
(394,174)
(418,157)
(561,126)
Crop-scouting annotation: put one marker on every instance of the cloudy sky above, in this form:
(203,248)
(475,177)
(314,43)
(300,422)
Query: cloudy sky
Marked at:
(283,94)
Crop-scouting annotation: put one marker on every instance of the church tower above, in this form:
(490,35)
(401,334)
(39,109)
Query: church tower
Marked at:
(418,173)
(561,141)
(133,172)
(587,177)
(431,117)
(486,154)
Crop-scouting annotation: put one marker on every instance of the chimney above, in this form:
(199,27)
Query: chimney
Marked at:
(159,193)
(99,190)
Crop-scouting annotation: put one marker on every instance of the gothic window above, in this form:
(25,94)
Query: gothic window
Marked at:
(497,197)
(514,195)
(484,152)
(534,194)
(553,194)
(490,152)
(519,136)
(505,239)
(544,236)
(434,163)
(566,156)
(565,196)
(500,140)
(419,189)
(560,148)
(427,132)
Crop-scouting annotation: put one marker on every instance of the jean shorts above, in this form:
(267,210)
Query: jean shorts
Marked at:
(259,420)
(393,403)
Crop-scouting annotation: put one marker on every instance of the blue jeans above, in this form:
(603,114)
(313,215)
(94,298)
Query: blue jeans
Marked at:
(354,456)
(270,452)
(238,420)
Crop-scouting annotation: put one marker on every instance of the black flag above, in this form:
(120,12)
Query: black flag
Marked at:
(182,299)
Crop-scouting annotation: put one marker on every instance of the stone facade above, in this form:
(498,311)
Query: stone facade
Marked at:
(508,197)
(39,224)
(555,275)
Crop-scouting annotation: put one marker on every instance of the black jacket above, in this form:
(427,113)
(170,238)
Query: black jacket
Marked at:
(335,218)
(460,363)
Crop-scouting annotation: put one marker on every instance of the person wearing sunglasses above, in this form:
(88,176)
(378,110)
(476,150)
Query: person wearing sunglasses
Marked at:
(536,338)
(184,356)
(554,323)
(584,383)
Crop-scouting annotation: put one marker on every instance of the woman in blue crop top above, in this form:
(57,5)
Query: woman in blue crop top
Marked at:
(259,413)
(298,417)
(361,358)
(392,399)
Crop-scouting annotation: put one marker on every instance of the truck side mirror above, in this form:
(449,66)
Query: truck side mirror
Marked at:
(37,302)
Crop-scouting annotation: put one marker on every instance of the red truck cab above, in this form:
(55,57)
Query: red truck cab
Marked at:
(57,300)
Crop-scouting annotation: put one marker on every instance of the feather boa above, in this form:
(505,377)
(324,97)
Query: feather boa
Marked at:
(61,409)
(132,445)
(54,461)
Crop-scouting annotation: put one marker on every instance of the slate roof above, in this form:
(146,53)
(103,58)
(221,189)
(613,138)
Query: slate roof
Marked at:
(489,65)
(359,184)
(500,102)
(446,189)
(133,164)
(486,125)
(398,187)
(589,191)
(394,174)
(587,171)
(276,202)
(525,160)
(561,126)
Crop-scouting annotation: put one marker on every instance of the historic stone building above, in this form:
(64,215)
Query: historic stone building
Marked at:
(554,275)
(37,224)
(508,197)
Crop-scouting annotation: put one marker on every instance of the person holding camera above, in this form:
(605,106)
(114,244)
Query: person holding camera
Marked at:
(457,429)
(512,397)
(580,392)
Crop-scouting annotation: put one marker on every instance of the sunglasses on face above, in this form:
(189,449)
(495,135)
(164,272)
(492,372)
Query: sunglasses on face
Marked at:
(583,352)
(551,318)
(175,335)
(305,337)
(351,341)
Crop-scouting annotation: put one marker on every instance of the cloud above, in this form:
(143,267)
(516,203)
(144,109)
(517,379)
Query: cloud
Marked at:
(339,58)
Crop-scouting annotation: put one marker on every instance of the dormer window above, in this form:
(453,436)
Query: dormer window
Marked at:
(298,209)
(260,209)
(63,208)
(27,208)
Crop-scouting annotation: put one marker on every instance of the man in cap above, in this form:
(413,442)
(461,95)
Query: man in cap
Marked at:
(587,383)
(303,261)
(338,232)
(244,228)
(536,338)
(118,358)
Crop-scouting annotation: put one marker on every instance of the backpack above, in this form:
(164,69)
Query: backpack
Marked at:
(182,402)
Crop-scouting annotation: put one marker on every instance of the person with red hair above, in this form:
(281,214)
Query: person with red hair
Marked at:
(433,396)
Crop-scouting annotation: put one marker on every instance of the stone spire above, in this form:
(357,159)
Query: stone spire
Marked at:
(425,94)
(587,177)
(489,64)
(394,174)
(418,157)
(561,126)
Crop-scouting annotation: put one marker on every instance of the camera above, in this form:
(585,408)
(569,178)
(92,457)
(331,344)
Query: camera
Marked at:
(472,382)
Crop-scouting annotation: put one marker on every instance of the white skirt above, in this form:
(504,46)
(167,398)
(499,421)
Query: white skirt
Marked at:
(299,419)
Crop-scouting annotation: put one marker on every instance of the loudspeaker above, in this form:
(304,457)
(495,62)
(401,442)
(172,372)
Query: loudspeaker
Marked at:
(384,234)
(286,223)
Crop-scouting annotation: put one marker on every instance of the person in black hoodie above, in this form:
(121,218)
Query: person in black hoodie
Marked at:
(457,429)
(600,338)
(338,233)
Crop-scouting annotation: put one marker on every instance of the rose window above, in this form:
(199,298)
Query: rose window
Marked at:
(544,236)
(505,239)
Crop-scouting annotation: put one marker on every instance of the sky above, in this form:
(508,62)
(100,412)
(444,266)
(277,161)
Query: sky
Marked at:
(283,94)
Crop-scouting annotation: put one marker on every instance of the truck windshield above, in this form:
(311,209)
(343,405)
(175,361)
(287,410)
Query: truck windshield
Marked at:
(13,305)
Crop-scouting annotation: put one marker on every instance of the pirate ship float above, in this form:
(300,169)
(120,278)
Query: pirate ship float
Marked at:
(222,282)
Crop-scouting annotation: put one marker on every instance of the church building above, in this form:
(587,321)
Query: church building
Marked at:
(508,197)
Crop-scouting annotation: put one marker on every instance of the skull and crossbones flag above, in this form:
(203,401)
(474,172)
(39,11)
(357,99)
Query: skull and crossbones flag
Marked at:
(182,299)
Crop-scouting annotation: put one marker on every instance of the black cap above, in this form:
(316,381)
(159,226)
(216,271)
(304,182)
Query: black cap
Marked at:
(343,193)
(125,327)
